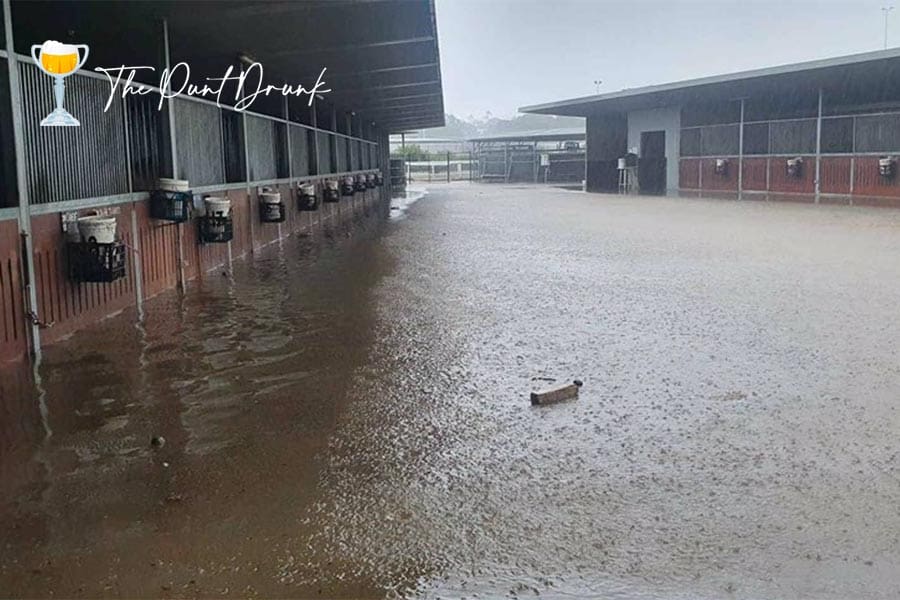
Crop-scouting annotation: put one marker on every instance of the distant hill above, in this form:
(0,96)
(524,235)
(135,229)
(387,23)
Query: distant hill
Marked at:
(462,129)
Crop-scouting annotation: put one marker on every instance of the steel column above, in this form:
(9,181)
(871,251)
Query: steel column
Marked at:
(179,230)
(333,150)
(136,261)
(740,175)
(137,264)
(15,96)
(171,106)
(819,148)
(313,120)
(247,176)
(287,132)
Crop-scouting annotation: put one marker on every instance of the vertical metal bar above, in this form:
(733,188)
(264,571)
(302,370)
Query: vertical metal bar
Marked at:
(288,131)
(138,263)
(224,141)
(173,144)
(15,96)
(172,141)
(127,123)
(506,163)
(819,148)
(587,137)
(247,177)
(313,120)
(136,260)
(740,181)
(334,142)
(700,172)
(852,158)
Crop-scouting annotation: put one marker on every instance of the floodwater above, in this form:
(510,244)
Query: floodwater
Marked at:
(348,415)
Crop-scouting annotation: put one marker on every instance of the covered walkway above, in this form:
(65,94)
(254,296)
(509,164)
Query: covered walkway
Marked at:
(381,65)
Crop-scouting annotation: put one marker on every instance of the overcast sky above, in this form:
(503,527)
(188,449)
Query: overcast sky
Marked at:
(498,55)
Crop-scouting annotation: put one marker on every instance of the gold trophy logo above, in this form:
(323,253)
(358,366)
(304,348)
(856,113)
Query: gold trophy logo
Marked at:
(59,60)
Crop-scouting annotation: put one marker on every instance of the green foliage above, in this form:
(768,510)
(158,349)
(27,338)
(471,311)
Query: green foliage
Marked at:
(412,152)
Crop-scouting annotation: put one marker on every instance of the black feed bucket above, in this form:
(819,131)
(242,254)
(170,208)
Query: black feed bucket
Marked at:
(271,208)
(347,186)
(216,230)
(171,206)
(98,263)
(332,193)
(306,197)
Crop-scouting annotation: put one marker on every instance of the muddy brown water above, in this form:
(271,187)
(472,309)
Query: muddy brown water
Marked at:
(348,415)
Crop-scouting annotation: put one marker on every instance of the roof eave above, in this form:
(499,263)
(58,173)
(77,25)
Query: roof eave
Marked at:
(583,105)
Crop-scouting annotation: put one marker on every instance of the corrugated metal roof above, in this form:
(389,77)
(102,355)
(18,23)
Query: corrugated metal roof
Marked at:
(581,106)
(562,133)
(409,139)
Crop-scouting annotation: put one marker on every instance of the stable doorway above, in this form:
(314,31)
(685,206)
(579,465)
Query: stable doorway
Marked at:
(652,163)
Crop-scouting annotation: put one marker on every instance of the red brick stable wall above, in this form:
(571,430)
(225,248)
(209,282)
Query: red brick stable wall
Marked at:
(71,306)
(755,176)
(835,175)
(13,332)
(844,179)
(725,182)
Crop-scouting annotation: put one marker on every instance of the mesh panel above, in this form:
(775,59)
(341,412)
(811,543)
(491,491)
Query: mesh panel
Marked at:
(199,142)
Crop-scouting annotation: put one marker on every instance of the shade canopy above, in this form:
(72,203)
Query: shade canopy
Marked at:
(381,56)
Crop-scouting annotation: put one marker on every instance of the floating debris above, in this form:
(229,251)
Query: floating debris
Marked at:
(556,395)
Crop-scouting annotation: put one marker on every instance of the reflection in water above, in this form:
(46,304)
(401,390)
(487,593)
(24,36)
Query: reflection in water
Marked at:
(244,377)
(347,415)
(402,200)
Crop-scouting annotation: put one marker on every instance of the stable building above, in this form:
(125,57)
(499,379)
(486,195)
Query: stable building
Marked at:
(823,131)
(146,196)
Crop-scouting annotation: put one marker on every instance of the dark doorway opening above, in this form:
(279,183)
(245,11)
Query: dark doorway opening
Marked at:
(652,163)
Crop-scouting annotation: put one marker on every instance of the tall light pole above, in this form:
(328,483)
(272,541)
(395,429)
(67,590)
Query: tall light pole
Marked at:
(887,11)
(597,83)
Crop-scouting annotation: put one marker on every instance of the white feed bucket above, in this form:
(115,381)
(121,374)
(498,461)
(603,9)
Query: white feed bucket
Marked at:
(101,230)
(217,206)
(270,198)
(308,189)
(173,185)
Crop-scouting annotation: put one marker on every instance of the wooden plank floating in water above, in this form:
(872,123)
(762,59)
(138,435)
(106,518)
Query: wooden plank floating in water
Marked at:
(565,392)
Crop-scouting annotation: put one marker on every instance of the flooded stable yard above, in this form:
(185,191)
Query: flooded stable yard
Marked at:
(347,415)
